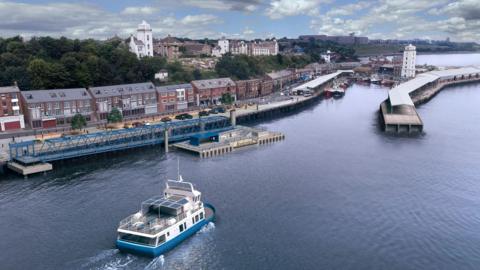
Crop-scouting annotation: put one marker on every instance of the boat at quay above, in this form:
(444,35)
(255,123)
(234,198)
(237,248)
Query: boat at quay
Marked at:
(163,222)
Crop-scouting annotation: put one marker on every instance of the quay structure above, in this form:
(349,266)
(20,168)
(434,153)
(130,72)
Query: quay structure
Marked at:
(29,157)
(398,113)
(214,144)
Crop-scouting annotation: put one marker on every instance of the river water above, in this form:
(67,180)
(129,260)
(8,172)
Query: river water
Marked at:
(336,194)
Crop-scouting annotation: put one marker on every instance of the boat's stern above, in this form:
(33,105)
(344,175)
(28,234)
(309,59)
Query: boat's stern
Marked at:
(129,247)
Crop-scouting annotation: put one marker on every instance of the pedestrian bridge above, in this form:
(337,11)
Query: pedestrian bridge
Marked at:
(65,147)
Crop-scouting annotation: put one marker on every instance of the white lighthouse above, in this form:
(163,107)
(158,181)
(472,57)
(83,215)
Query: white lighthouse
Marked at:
(142,44)
(409,60)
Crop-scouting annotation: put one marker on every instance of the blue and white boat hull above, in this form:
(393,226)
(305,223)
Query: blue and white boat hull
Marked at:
(172,243)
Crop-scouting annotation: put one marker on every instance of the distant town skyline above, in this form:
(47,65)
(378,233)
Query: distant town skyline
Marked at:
(245,19)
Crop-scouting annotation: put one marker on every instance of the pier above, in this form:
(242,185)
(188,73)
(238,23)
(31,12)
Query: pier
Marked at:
(222,143)
(398,113)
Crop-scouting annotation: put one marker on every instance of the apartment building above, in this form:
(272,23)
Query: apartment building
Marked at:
(11,116)
(133,100)
(177,97)
(50,108)
(209,92)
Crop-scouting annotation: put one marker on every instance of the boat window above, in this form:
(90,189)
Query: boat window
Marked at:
(196,218)
(168,233)
(201,215)
(137,239)
(181,228)
(161,239)
(193,220)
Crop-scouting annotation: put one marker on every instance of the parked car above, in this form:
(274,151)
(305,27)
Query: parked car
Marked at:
(217,110)
(183,116)
(166,119)
(203,113)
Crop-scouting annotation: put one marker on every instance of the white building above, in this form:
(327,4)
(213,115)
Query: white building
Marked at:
(224,45)
(409,60)
(263,48)
(142,44)
(327,56)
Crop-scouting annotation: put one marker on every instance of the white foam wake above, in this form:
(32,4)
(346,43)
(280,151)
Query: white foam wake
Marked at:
(156,263)
(208,228)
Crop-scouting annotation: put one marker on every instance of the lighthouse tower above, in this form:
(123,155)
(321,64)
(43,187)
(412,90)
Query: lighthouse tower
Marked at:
(144,34)
(409,60)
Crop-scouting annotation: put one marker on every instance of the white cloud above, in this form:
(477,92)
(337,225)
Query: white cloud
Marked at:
(202,19)
(139,10)
(349,9)
(283,8)
(239,5)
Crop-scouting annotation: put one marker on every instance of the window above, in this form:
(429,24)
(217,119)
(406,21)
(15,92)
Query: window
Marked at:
(137,239)
(168,233)
(185,225)
(193,220)
(161,239)
(181,228)
(201,215)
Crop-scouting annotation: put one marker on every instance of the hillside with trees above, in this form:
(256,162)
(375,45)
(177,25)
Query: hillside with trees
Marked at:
(48,63)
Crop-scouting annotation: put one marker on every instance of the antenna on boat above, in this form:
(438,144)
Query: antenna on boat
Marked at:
(179,177)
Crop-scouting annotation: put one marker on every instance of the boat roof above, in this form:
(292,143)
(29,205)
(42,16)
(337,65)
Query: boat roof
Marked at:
(173,202)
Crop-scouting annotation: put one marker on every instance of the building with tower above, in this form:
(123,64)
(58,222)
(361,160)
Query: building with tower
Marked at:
(409,60)
(142,44)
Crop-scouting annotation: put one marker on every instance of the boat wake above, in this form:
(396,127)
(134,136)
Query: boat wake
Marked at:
(110,259)
(207,228)
(156,263)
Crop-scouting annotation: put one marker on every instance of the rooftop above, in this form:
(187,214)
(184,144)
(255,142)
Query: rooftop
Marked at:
(320,80)
(400,95)
(279,74)
(9,89)
(213,83)
(35,96)
(122,89)
(171,88)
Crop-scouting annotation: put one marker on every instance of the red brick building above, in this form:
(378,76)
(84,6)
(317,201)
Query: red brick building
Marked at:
(49,108)
(10,110)
(172,98)
(247,89)
(209,92)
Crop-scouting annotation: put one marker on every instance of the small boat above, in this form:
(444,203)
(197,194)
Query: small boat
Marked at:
(375,79)
(337,92)
(163,222)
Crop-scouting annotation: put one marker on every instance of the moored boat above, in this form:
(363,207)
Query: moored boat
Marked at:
(165,221)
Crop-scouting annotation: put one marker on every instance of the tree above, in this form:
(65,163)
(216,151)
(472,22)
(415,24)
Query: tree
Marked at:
(115,116)
(78,121)
(227,99)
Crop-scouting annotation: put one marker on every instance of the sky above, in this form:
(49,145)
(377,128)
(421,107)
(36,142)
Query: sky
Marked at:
(244,19)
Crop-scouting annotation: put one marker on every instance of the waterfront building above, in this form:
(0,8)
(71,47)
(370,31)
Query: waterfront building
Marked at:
(247,89)
(11,116)
(263,48)
(266,88)
(281,78)
(209,92)
(173,98)
(133,100)
(409,60)
(50,108)
(168,47)
(142,44)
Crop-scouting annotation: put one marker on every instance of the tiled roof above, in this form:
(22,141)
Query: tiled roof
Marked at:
(171,88)
(213,83)
(36,96)
(9,89)
(122,89)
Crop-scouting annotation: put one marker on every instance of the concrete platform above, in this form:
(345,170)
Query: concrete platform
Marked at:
(26,170)
(404,119)
(230,140)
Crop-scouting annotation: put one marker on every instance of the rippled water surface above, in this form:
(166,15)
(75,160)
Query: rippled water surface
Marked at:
(336,194)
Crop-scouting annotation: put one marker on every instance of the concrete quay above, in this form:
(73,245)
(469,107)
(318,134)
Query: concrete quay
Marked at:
(228,141)
(398,113)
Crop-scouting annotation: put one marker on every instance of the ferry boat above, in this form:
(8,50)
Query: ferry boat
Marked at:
(164,221)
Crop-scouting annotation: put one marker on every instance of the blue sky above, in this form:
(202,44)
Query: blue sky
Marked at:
(247,19)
